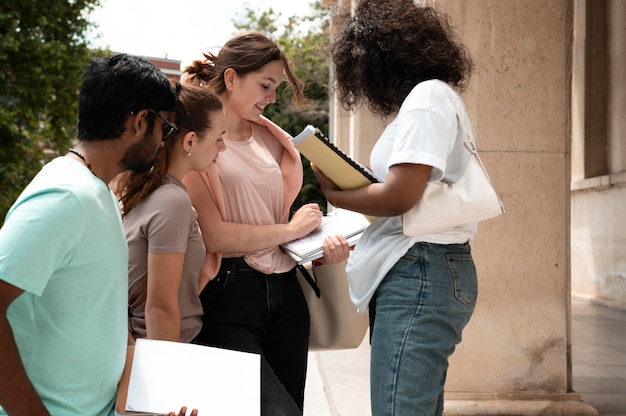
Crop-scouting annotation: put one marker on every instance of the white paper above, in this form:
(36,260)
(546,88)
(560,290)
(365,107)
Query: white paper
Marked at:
(350,224)
(168,375)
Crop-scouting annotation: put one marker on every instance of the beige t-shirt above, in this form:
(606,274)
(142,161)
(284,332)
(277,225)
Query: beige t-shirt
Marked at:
(165,222)
(252,185)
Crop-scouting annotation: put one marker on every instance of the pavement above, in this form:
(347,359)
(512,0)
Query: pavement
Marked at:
(599,356)
(338,381)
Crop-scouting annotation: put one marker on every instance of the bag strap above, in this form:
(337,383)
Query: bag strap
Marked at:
(307,276)
(469,139)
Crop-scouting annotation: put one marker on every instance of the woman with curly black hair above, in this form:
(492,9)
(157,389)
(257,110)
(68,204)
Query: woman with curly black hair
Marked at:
(401,61)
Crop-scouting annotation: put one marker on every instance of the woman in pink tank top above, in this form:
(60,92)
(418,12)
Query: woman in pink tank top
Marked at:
(249,291)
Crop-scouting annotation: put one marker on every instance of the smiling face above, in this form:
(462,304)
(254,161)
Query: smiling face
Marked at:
(251,93)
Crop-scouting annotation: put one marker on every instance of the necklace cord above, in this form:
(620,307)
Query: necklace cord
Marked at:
(80,155)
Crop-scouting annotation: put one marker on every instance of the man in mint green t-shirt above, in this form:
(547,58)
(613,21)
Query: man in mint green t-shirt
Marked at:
(63,252)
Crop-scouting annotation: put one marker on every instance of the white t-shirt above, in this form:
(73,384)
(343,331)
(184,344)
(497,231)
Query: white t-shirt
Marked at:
(425,131)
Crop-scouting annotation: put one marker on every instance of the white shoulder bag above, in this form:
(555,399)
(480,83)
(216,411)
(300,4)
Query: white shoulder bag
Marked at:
(446,205)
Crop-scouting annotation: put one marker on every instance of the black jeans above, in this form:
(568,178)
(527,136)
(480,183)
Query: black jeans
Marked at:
(249,311)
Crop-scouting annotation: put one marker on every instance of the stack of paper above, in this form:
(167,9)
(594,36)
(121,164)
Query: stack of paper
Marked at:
(163,376)
(340,222)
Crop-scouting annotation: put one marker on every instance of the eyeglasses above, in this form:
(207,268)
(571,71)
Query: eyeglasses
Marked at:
(168,127)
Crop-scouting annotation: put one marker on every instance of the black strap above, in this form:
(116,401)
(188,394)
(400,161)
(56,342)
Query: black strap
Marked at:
(309,279)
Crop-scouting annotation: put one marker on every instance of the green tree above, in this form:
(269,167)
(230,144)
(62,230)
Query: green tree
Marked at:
(43,51)
(303,39)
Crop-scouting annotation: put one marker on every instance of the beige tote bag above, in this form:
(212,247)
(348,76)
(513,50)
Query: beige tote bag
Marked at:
(335,323)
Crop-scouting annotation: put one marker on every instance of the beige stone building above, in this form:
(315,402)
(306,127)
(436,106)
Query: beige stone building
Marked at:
(548,103)
(598,191)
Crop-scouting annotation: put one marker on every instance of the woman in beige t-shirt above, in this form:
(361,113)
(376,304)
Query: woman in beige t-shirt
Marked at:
(164,242)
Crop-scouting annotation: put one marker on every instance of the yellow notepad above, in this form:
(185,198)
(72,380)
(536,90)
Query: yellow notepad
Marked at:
(344,171)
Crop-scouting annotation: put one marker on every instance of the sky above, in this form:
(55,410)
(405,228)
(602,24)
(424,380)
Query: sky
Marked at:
(176,29)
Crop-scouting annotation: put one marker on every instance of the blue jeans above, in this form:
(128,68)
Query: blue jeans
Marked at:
(250,311)
(418,313)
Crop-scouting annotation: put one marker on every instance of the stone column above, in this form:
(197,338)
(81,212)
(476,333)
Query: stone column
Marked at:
(515,357)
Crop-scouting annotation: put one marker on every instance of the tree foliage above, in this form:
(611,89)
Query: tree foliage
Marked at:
(303,40)
(43,52)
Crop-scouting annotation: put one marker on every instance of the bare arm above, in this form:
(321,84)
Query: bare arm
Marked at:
(162,309)
(17,394)
(226,237)
(393,197)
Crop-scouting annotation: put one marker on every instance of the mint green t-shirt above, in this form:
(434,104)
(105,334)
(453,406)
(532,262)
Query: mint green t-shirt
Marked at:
(63,243)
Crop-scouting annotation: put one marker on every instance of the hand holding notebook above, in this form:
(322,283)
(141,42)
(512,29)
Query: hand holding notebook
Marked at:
(349,224)
(344,171)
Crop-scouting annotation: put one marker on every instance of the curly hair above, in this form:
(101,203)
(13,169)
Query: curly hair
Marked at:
(387,47)
(245,53)
(194,107)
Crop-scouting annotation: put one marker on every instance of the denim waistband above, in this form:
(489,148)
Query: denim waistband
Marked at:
(236,265)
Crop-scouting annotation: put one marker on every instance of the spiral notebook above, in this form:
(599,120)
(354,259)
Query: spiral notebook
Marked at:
(349,224)
(344,171)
